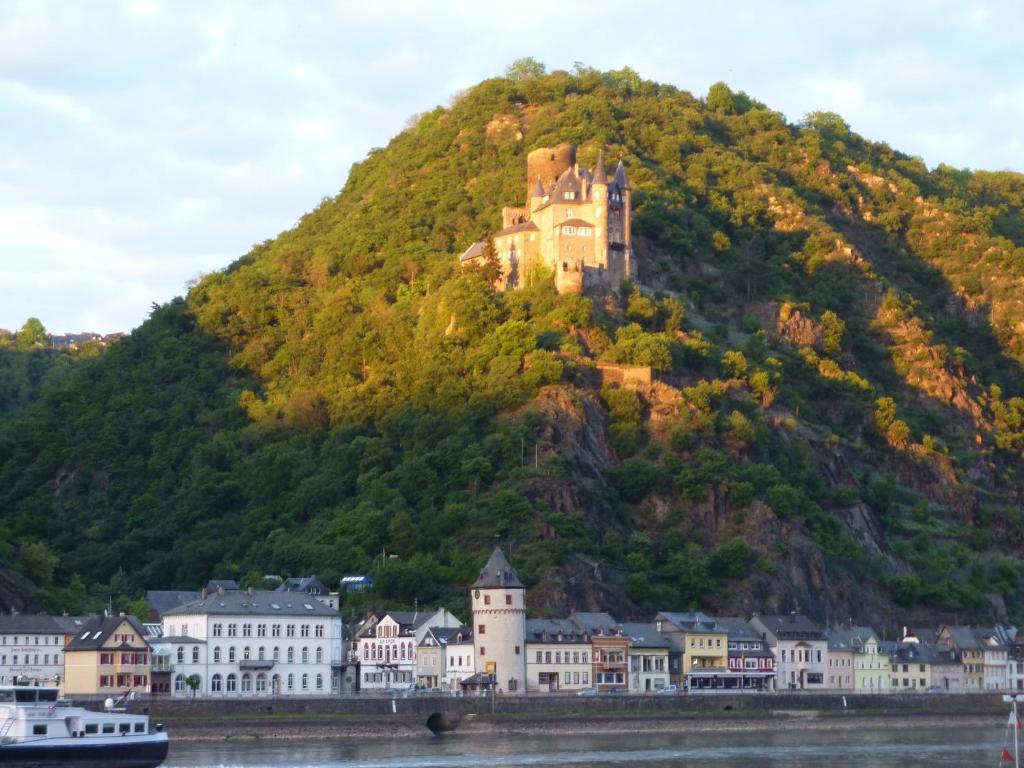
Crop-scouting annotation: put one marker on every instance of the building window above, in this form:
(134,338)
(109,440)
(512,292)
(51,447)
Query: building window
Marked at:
(195,654)
(291,655)
(305,655)
(483,651)
(276,630)
(179,683)
(319,655)
(246,683)
(482,629)
(216,654)
(232,630)
(291,682)
(181,655)
(231,655)
(508,599)
(305,682)
(232,685)
(261,683)
(261,630)
(319,630)
(247,630)
(319,682)
(216,683)
(290,630)
(277,653)
(487,599)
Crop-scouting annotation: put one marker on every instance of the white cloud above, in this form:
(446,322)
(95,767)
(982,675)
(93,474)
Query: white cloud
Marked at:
(53,102)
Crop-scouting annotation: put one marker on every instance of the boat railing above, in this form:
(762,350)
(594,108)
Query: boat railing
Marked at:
(5,728)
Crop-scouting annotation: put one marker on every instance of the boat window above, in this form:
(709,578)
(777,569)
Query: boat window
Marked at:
(28,694)
(39,730)
(108,727)
(140,727)
(48,695)
(6,696)
(125,727)
(92,728)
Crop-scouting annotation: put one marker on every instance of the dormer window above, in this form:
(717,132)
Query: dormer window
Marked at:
(570,195)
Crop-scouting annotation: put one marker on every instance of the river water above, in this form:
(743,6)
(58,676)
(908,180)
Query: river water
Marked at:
(905,747)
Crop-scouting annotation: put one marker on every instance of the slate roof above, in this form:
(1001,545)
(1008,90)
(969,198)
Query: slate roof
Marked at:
(922,653)
(789,626)
(475,250)
(538,189)
(176,640)
(691,622)
(41,624)
(228,585)
(549,631)
(849,638)
(574,223)
(262,603)
(964,638)
(600,177)
(163,600)
(595,623)
(444,635)
(620,176)
(644,636)
(498,573)
(523,226)
(95,632)
(309,585)
(738,629)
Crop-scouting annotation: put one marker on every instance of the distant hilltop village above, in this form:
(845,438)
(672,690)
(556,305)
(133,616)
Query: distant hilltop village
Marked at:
(575,223)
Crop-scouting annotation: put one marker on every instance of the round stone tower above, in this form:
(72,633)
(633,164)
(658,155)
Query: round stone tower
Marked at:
(546,165)
(499,625)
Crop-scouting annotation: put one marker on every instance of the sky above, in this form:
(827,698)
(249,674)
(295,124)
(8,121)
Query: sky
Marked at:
(146,142)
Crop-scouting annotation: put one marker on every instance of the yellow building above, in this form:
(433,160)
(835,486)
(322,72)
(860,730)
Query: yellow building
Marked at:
(108,656)
(704,645)
(575,224)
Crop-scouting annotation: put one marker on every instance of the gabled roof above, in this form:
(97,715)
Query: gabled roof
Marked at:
(95,632)
(444,635)
(574,223)
(256,603)
(498,573)
(737,629)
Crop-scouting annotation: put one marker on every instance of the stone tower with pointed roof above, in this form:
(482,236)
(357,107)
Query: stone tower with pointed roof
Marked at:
(575,225)
(499,624)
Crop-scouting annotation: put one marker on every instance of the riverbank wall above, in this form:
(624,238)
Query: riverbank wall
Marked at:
(374,716)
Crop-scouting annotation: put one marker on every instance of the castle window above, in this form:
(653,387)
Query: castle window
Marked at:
(508,599)
(568,213)
(570,195)
(482,629)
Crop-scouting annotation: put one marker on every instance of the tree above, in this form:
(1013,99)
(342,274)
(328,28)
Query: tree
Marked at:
(32,334)
(192,681)
(720,99)
(520,69)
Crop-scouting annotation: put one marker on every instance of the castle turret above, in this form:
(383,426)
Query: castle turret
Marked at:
(536,196)
(623,190)
(499,624)
(599,195)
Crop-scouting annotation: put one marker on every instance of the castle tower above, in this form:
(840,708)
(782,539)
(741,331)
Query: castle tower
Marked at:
(499,624)
(599,194)
(546,165)
(622,188)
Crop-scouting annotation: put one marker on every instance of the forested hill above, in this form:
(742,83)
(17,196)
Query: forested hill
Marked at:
(835,425)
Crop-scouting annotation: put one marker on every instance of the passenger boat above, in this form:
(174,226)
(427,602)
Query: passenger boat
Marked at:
(38,729)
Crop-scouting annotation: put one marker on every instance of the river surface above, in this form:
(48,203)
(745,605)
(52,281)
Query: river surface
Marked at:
(905,747)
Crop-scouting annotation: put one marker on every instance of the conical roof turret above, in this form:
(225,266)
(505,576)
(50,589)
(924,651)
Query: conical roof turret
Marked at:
(600,177)
(620,176)
(538,189)
(498,574)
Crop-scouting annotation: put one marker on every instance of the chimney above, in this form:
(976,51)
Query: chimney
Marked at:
(203,593)
(220,590)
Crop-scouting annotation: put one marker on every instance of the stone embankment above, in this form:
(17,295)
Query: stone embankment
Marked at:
(357,717)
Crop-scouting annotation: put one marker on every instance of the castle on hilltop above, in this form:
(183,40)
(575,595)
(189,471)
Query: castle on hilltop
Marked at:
(576,223)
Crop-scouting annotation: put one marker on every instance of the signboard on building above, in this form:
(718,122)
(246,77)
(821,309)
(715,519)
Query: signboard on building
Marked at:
(491,667)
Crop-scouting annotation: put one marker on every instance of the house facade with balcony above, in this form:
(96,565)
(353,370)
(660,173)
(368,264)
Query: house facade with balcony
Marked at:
(751,662)
(609,650)
(704,646)
(558,656)
(800,648)
(253,643)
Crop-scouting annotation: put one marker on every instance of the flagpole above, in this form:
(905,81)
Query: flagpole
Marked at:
(1016,727)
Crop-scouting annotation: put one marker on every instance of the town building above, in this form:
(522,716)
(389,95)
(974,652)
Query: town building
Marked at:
(574,225)
(751,662)
(705,648)
(108,655)
(870,663)
(983,654)
(800,648)
(386,646)
(648,658)
(461,662)
(557,656)
(840,660)
(498,599)
(32,648)
(609,650)
(254,643)
(432,656)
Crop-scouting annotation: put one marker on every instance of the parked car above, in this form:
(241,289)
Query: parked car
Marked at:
(587,692)
(668,690)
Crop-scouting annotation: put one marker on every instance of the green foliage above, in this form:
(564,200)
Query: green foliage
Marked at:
(31,335)
(345,390)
